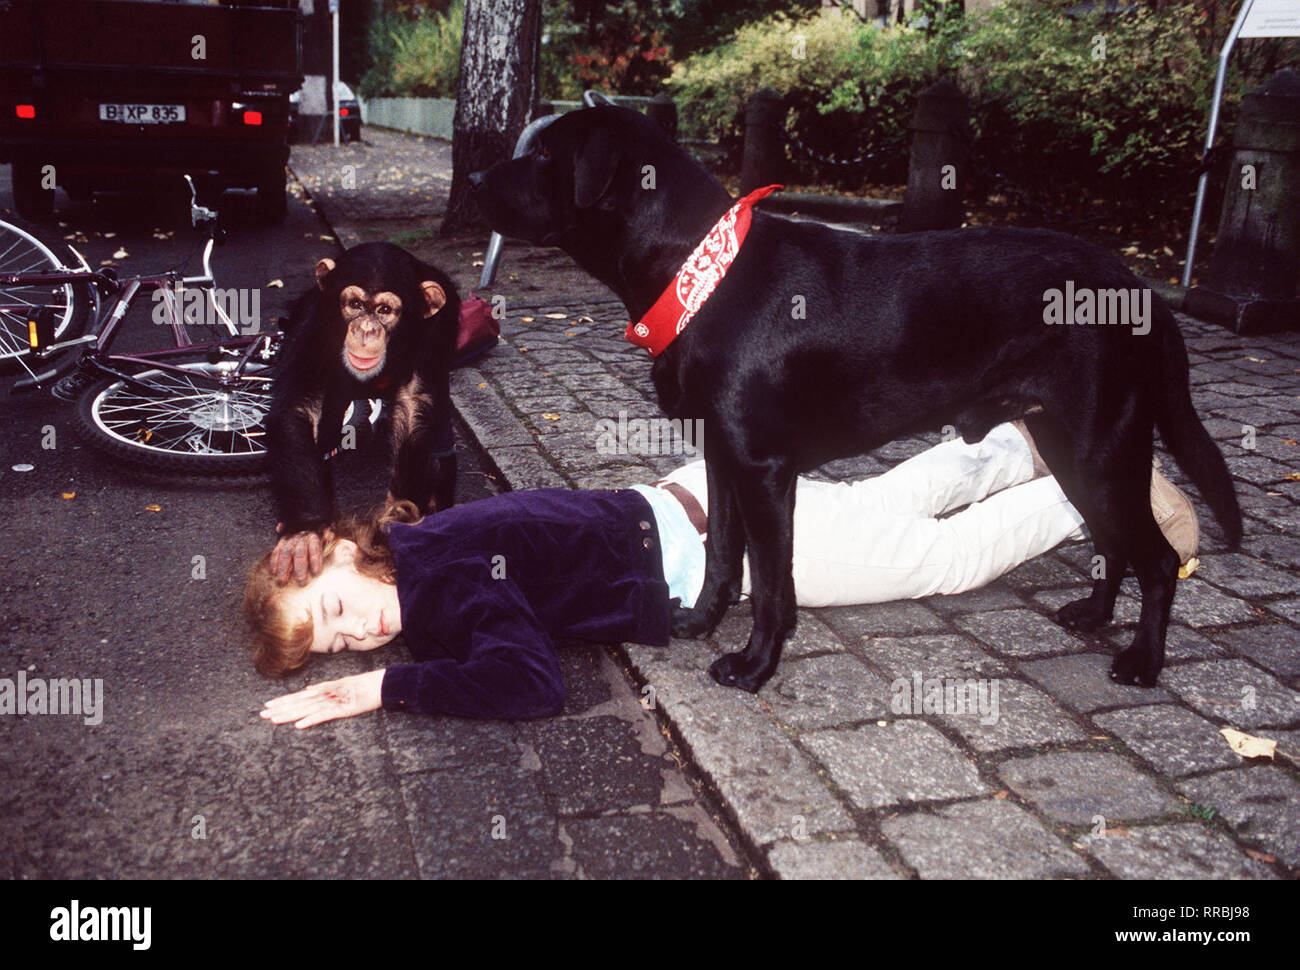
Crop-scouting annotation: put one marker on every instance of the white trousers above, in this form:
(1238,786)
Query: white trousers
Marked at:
(882,538)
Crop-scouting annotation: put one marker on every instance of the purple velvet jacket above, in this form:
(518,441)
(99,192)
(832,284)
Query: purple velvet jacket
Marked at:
(486,589)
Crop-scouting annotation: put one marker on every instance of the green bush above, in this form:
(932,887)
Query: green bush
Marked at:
(417,56)
(1117,101)
(1051,110)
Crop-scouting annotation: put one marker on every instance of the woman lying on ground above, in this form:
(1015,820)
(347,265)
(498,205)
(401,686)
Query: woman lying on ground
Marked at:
(482,591)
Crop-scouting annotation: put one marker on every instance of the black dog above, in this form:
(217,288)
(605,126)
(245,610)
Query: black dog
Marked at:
(899,333)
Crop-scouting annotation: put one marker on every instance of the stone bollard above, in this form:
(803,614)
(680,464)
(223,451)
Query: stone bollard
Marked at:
(764,159)
(663,112)
(1252,283)
(938,160)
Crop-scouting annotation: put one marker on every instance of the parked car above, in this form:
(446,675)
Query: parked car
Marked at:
(349,116)
(98,94)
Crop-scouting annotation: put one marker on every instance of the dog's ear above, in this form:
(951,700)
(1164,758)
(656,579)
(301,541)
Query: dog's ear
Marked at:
(594,172)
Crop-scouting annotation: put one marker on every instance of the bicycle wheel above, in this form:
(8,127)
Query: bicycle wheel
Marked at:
(178,422)
(21,251)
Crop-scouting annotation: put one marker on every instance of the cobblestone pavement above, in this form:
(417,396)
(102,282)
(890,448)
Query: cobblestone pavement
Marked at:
(1077,777)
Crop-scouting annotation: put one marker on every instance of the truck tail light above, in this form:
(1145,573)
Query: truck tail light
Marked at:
(252,117)
(25,111)
(343,112)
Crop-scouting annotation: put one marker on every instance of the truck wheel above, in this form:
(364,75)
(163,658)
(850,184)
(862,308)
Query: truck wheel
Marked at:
(272,204)
(30,199)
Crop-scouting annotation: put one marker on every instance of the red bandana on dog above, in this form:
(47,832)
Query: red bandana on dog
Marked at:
(699,275)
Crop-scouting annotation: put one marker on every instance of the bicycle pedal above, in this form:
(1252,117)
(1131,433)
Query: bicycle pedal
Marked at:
(70,387)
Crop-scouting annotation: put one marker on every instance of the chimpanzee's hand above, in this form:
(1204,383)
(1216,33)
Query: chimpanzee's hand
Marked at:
(299,555)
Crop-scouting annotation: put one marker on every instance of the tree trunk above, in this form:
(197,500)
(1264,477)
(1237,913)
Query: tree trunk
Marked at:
(496,95)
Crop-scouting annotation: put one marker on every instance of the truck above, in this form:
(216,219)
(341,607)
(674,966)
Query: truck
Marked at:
(121,94)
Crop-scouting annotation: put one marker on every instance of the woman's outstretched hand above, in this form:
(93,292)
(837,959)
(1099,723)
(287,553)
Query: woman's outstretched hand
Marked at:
(327,701)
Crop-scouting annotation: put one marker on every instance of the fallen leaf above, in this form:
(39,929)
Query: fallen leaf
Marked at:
(526,319)
(109,235)
(482,384)
(477,262)
(1257,360)
(1293,476)
(69,494)
(1260,856)
(327,238)
(275,285)
(1247,745)
(1187,568)
(120,254)
(1002,794)
(556,316)
(551,417)
(570,333)
(153,508)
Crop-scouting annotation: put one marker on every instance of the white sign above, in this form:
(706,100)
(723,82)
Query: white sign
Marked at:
(1272,18)
(313,96)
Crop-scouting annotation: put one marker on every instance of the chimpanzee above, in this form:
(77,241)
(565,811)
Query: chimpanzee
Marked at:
(378,324)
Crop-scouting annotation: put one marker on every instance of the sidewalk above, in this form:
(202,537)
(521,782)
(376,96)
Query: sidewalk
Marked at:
(1078,777)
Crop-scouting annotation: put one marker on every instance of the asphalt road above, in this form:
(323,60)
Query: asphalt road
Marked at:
(181,778)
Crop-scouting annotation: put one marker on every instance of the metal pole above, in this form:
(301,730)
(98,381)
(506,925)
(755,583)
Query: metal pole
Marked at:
(1201,184)
(333,95)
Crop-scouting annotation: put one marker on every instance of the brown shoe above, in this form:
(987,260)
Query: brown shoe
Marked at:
(1040,466)
(1177,519)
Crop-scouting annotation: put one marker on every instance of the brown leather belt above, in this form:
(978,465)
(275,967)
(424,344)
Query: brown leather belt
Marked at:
(694,511)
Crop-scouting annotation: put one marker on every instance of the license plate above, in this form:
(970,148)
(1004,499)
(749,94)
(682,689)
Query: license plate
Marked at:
(143,114)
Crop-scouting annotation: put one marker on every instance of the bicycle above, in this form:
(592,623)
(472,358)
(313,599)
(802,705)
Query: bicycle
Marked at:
(198,408)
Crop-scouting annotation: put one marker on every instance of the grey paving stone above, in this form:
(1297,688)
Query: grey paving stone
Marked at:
(1019,716)
(931,655)
(1176,851)
(1081,682)
(824,691)
(844,859)
(1199,604)
(1275,646)
(526,467)
(988,839)
(810,635)
(853,623)
(485,412)
(768,784)
(996,597)
(1260,471)
(1170,739)
(643,846)
(1287,609)
(903,762)
(1279,550)
(1234,692)
(1127,609)
(1247,576)
(1259,804)
(1020,633)
(1077,786)
(1042,572)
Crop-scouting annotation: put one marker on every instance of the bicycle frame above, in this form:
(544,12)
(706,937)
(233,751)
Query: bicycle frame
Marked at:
(121,294)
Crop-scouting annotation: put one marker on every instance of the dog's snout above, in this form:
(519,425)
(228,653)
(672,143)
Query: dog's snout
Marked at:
(476,179)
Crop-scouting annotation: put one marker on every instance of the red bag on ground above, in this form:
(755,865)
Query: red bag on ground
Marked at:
(479,330)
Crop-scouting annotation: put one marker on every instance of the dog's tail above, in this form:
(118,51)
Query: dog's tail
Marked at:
(1185,436)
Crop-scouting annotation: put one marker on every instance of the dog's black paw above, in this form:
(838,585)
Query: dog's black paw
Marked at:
(1134,668)
(689,624)
(739,670)
(1082,614)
